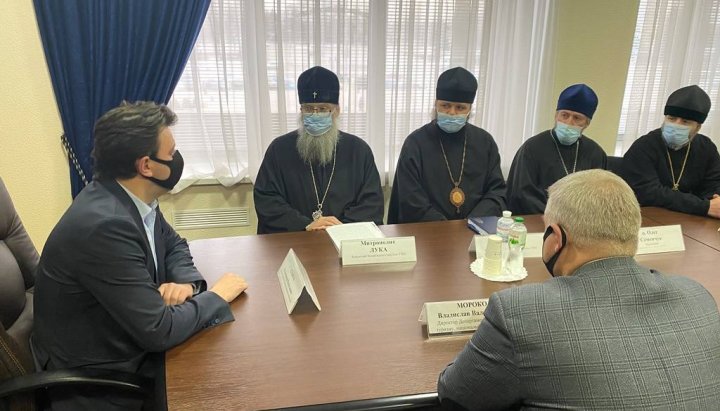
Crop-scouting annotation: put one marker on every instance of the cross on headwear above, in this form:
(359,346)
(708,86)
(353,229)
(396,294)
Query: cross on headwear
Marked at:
(318,85)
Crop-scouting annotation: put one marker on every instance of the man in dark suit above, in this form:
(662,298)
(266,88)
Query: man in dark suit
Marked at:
(605,333)
(116,285)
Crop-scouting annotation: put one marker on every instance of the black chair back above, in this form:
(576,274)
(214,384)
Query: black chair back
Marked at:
(614,164)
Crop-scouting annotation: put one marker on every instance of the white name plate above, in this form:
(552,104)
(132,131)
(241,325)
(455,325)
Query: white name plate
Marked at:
(452,317)
(661,239)
(533,245)
(294,282)
(378,250)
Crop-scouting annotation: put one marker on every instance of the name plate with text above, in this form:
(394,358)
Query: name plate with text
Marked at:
(533,245)
(661,239)
(453,317)
(378,250)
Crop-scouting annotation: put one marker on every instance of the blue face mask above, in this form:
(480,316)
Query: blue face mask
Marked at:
(451,124)
(675,135)
(317,123)
(567,135)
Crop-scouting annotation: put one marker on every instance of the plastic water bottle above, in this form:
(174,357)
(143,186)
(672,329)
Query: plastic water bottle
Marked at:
(503,225)
(518,233)
(516,240)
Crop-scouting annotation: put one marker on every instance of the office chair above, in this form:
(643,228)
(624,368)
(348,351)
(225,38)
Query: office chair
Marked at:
(21,388)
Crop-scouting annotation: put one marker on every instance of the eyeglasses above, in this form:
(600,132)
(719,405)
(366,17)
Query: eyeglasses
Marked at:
(308,109)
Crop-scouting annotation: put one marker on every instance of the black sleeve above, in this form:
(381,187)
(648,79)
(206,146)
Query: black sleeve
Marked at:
(603,160)
(413,201)
(272,209)
(638,169)
(369,202)
(711,180)
(493,201)
(524,193)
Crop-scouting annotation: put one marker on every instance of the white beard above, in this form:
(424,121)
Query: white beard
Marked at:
(317,149)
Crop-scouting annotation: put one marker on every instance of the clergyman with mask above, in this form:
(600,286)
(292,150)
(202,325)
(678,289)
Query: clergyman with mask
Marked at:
(676,167)
(605,334)
(317,176)
(553,154)
(448,169)
(116,285)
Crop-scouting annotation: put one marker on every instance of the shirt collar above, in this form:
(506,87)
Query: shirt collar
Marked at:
(143,208)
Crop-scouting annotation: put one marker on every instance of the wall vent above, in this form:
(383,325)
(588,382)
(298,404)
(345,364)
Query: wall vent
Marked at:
(210,218)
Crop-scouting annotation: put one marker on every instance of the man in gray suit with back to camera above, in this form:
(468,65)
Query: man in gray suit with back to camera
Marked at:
(116,285)
(605,333)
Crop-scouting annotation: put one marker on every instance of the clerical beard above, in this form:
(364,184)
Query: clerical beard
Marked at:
(317,149)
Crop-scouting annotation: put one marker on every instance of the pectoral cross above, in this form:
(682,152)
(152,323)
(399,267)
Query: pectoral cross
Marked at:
(314,95)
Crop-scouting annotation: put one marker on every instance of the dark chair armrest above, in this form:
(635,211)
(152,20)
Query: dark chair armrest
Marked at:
(77,376)
(429,401)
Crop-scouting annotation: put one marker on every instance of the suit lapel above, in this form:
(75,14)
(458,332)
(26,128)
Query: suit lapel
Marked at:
(114,188)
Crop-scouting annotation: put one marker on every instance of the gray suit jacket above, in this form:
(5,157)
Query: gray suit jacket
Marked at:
(614,335)
(97,302)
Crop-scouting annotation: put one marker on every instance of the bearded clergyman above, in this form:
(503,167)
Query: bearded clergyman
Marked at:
(317,176)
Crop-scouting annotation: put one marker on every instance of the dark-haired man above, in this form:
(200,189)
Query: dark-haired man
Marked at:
(116,285)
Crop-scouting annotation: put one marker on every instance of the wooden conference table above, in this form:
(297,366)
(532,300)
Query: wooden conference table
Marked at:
(366,343)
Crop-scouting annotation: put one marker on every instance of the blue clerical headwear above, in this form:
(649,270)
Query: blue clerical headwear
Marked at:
(579,98)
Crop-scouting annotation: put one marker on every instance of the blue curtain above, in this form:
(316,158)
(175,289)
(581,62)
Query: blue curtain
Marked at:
(101,52)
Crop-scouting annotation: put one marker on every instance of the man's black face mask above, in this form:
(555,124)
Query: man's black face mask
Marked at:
(550,264)
(176,166)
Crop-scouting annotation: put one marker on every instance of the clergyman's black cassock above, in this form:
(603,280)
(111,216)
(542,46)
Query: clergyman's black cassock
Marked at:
(647,170)
(422,184)
(538,164)
(284,193)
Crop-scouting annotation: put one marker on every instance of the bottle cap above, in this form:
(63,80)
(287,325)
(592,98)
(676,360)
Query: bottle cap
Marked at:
(507,214)
(519,220)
